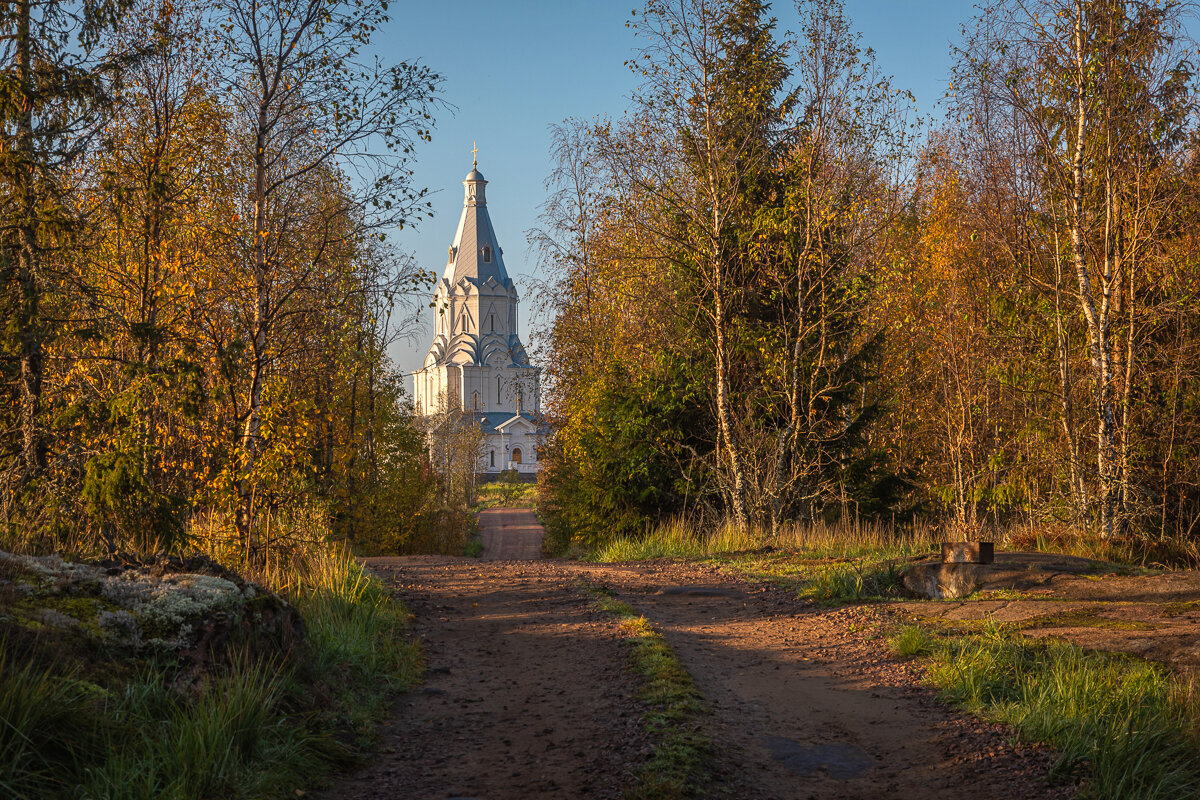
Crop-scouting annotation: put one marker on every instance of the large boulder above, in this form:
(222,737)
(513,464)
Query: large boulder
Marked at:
(192,610)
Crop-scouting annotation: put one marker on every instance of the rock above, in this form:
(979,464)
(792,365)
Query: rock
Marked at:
(968,552)
(939,581)
(191,609)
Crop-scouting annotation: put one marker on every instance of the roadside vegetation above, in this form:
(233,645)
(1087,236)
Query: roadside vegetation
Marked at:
(856,560)
(679,763)
(197,305)
(1127,729)
(508,491)
(108,725)
(843,317)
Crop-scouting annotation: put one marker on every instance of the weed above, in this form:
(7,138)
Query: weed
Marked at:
(912,641)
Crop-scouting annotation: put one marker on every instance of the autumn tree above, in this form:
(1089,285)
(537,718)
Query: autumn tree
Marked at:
(57,77)
(311,108)
(1099,95)
(714,251)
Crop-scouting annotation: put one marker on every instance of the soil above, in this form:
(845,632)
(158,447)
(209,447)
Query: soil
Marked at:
(510,534)
(1093,604)
(528,694)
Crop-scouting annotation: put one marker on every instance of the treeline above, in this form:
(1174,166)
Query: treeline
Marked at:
(198,296)
(780,299)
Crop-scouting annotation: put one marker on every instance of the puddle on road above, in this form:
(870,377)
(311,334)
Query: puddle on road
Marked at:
(841,761)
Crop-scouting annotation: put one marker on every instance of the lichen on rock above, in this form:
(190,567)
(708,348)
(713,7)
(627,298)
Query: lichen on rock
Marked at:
(195,617)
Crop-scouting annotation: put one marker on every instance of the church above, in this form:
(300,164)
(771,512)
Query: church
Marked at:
(477,362)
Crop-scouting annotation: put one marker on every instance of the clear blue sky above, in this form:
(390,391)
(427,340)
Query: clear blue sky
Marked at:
(513,68)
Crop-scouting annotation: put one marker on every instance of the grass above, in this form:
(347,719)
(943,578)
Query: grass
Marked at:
(1134,549)
(503,494)
(1085,619)
(1175,609)
(679,538)
(842,563)
(855,561)
(253,729)
(678,764)
(1124,727)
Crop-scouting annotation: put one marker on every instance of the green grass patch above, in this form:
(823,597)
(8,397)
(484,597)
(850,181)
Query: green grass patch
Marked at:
(250,729)
(678,764)
(1175,609)
(1084,618)
(1126,728)
(510,493)
(831,564)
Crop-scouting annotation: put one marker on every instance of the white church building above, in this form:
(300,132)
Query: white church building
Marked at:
(477,362)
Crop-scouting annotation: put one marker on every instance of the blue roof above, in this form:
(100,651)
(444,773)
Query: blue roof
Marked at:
(490,420)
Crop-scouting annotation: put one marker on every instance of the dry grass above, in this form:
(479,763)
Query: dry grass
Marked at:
(857,539)
(680,538)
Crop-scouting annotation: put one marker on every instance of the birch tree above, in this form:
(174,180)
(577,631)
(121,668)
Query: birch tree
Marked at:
(313,106)
(1101,89)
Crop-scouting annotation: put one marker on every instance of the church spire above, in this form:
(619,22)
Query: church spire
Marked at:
(475,254)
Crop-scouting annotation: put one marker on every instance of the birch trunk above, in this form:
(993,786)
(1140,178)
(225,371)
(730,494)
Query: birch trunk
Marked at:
(1096,319)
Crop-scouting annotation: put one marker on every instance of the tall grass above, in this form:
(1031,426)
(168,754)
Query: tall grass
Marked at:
(869,539)
(1134,548)
(1125,726)
(680,538)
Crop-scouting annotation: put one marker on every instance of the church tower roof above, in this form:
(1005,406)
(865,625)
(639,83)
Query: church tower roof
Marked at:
(475,254)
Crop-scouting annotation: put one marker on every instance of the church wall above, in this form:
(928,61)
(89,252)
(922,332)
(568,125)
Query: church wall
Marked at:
(503,445)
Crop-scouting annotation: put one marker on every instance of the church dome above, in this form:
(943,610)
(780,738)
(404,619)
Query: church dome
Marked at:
(473,175)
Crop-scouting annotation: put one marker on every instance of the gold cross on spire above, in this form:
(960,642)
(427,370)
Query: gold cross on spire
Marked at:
(474,153)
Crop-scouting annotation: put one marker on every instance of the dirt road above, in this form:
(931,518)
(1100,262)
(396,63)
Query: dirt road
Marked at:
(510,534)
(528,695)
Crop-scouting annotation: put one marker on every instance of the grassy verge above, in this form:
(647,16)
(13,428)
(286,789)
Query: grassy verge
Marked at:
(1124,727)
(846,562)
(826,563)
(254,729)
(678,765)
(505,494)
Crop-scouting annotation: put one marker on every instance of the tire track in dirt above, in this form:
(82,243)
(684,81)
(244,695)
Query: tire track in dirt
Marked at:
(526,693)
(807,705)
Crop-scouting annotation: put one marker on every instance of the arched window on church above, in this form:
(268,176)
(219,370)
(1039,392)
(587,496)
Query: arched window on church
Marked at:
(475,400)
(516,459)
(492,322)
(497,390)
(487,254)
(493,457)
